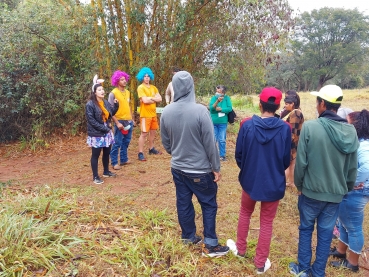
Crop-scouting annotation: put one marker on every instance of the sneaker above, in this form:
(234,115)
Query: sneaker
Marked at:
(98,181)
(294,270)
(334,253)
(117,167)
(109,174)
(153,151)
(223,159)
(214,251)
(141,157)
(345,264)
(232,246)
(267,265)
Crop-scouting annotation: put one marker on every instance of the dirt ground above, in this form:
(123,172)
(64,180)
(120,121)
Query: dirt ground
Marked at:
(67,161)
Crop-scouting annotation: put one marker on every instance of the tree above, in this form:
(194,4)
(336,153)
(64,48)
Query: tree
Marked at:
(329,42)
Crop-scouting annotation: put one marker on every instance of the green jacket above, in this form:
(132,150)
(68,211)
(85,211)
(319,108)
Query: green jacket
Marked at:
(326,162)
(226,106)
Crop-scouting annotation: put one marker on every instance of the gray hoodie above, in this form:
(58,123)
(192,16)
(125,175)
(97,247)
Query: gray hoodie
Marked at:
(187,132)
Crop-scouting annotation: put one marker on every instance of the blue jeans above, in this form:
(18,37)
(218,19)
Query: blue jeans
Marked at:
(325,214)
(122,142)
(220,132)
(351,215)
(205,189)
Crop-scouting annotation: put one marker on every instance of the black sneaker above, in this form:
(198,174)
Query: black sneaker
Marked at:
(141,157)
(345,264)
(153,151)
(98,181)
(223,159)
(214,251)
(109,174)
(334,253)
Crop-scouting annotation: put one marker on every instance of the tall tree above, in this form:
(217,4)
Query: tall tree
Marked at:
(330,41)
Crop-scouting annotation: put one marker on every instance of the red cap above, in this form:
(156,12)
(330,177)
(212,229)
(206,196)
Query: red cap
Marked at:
(124,132)
(271,92)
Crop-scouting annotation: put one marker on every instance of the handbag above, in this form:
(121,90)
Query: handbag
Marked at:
(231,117)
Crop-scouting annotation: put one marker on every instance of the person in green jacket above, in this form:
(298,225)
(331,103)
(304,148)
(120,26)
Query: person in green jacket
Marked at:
(220,105)
(326,167)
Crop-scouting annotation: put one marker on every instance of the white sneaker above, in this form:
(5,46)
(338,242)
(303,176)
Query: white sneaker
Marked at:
(264,269)
(232,246)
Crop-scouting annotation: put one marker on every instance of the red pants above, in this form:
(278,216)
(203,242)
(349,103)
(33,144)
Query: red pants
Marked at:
(268,211)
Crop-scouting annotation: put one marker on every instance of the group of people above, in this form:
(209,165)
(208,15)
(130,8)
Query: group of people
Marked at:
(326,159)
(100,113)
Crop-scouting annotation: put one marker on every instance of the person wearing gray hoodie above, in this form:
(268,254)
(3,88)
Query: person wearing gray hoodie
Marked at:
(187,134)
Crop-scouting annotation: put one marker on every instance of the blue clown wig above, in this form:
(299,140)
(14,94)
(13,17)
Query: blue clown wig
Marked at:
(143,71)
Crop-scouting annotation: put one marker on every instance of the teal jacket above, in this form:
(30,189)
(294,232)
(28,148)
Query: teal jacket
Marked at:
(226,106)
(326,162)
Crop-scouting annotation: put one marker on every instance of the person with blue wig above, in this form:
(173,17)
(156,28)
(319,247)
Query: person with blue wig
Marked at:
(149,95)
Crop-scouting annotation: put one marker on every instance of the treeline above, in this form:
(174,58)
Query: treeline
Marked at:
(51,49)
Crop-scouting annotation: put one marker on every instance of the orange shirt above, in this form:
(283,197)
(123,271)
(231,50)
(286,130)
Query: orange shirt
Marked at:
(147,110)
(105,113)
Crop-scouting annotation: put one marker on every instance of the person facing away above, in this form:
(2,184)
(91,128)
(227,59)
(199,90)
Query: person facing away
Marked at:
(351,210)
(149,96)
(100,136)
(220,106)
(262,153)
(326,167)
(292,114)
(187,134)
(123,119)
(169,93)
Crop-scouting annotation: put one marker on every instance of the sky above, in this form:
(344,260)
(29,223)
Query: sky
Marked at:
(309,5)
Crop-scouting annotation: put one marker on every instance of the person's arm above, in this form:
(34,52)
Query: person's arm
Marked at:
(227,106)
(301,157)
(295,119)
(208,140)
(90,116)
(239,147)
(168,94)
(165,138)
(213,104)
(143,97)
(287,148)
(157,98)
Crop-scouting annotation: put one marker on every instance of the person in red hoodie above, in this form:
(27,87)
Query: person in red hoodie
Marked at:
(262,153)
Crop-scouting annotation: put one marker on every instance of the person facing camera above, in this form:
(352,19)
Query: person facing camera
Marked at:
(220,105)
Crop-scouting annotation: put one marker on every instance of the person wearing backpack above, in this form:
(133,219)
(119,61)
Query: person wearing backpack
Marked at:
(220,106)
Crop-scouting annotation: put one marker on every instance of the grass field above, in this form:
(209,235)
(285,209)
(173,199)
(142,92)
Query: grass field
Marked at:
(59,228)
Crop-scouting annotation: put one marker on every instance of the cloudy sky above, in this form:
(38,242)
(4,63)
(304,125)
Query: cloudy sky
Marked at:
(309,5)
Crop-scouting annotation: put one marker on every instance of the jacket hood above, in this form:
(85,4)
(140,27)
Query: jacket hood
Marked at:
(266,129)
(183,87)
(342,135)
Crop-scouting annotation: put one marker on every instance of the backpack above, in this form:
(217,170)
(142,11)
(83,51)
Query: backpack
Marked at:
(231,117)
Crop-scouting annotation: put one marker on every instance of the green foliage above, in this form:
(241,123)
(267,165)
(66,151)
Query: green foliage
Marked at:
(329,45)
(47,49)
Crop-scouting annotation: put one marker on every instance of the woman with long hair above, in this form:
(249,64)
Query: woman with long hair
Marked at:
(351,210)
(100,136)
(293,115)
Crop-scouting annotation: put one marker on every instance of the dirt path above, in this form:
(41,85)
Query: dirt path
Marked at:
(67,162)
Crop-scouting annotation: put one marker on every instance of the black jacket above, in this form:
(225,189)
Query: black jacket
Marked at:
(95,123)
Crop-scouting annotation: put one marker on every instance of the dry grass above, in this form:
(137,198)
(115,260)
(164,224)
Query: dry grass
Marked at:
(136,233)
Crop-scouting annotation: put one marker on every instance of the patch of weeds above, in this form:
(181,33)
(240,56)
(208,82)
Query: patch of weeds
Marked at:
(29,244)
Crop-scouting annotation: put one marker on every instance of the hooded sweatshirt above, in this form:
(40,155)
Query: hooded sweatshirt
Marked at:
(263,153)
(187,131)
(326,163)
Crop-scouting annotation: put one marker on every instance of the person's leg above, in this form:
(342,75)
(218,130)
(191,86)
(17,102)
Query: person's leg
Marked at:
(144,133)
(152,138)
(352,215)
(124,146)
(216,133)
(309,210)
(115,148)
(95,161)
(290,174)
(268,211)
(325,224)
(222,134)
(185,208)
(105,158)
(205,190)
(246,210)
